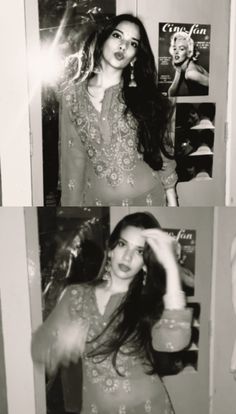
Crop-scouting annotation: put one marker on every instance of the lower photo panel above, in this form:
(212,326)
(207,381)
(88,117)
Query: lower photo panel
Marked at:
(117,310)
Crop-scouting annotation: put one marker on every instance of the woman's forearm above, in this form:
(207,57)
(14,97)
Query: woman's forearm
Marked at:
(171,197)
(174,297)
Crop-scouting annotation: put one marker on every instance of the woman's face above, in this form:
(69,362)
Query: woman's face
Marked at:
(122,45)
(180,51)
(127,256)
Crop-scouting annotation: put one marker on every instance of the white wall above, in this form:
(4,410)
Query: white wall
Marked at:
(223,385)
(16,311)
(231,145)
(14,111)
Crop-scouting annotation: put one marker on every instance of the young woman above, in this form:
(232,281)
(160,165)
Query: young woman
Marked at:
(114,146)
(116,322)
(190,78)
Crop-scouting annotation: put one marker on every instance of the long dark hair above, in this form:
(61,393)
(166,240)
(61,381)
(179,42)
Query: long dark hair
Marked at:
(145,102)
(141,306)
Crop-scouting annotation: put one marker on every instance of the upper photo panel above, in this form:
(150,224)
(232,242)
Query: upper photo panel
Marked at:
(129,104)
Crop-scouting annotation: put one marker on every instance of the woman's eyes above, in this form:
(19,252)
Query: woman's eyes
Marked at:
(182,48)
(120,243)
(135,45)
(116,35)
(139,252)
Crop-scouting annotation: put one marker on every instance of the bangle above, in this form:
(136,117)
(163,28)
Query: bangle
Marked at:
(175,300)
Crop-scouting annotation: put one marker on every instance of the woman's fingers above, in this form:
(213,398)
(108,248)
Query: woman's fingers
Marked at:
(159,236)
(162,244)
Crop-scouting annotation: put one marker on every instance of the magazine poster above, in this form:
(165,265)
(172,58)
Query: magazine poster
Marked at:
(194,140)
(185,252)
(184,56)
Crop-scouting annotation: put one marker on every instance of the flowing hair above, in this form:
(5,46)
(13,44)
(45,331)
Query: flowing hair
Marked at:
(141,306)
(151,110)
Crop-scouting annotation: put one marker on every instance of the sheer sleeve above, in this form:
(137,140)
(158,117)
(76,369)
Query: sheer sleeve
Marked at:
(168,173)
(61,338)
(72,156)
(172,332)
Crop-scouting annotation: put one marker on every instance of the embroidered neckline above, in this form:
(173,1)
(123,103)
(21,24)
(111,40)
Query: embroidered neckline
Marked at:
(110,300)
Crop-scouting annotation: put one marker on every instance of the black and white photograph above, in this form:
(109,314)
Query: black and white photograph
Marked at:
(93,316)
(184,59)
(118,207)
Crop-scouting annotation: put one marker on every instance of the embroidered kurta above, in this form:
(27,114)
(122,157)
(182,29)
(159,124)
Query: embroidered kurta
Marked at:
(72,330)
(99,160)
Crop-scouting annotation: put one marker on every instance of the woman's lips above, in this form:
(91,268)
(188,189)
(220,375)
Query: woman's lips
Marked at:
(119,55)
(124,268)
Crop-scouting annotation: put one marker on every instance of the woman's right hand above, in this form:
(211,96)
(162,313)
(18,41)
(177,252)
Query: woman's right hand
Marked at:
(163,246)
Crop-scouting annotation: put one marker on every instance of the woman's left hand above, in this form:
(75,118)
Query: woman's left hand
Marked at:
(163,246)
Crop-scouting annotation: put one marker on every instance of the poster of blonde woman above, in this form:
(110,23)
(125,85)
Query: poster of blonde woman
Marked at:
(184,54)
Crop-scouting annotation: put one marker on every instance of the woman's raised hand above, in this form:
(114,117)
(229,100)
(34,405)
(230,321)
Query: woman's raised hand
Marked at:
(163,246)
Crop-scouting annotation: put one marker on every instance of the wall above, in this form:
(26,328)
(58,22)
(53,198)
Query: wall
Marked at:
(14,130)
(16,320)
(223,392)
(231,145)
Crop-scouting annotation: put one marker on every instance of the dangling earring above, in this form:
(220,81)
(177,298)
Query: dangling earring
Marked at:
(132,82)
(144,276)
(107,274)
(96,70)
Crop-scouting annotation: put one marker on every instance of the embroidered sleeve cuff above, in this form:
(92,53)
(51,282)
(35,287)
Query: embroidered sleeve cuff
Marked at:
(172,332)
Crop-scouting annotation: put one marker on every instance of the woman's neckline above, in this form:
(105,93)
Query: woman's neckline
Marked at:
(115,85)
(109,89)
(112,296)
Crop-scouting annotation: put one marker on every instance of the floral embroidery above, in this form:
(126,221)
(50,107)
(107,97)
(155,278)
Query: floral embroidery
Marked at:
(76,302)
(126,385)
(148,406)
(169,346)
(168,407)
(122,409)
(172,323)
(94,409)
(71,184)
(112,160)
(98,202)
(71,142)
(100,372)
(149,200)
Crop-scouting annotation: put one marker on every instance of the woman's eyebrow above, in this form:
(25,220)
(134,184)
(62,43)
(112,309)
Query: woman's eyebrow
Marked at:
(126,241)
(134,38)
